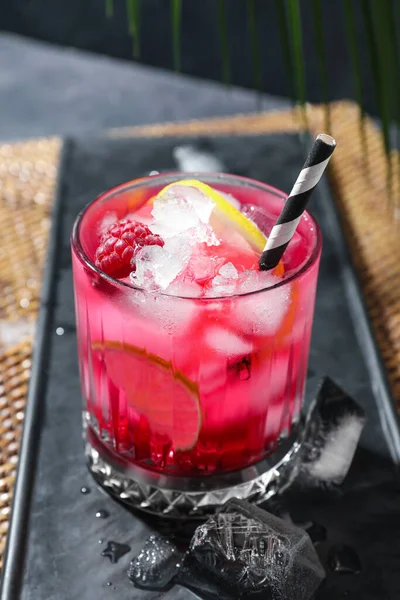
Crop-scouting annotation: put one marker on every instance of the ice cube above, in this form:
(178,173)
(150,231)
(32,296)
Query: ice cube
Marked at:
(261,313)
(253,281)
(184,210)
(180,208)
(224,283)
(221,287)
(157,322)
(181,216)
(250,553)
(229,271)
(202,268)
(179,246)
(156,268)
(226,342)
(263,220)
(177,315)
(185,289)
(156,565)
(248,281)
(202,587)
(333,428)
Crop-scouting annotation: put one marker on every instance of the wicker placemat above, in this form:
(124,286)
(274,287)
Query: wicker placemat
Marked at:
(27,182)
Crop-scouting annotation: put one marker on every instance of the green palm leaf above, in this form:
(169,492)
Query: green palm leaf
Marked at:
(133,13)
(109,8)
(295,35)
(322,71)
(255,46)
(286,46)
(382,33)
(226,70)
(176,17)
(379,70)
(382,56)
(351,32)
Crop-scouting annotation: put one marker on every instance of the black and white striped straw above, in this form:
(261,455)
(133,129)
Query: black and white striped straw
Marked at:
(286,224)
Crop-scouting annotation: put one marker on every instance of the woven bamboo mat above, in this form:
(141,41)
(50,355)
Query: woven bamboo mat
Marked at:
(27,182)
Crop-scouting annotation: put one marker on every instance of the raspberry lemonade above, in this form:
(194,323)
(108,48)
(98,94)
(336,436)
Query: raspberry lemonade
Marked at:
(193,361)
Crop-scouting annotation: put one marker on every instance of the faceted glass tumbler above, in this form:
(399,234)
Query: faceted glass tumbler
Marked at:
(188,401)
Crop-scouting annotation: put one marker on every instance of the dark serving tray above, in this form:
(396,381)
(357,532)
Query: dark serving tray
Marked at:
(53,549)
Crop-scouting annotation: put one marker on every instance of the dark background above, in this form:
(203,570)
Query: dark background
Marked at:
(83,24)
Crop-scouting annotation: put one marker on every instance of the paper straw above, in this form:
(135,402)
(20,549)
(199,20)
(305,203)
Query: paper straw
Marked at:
(286,224)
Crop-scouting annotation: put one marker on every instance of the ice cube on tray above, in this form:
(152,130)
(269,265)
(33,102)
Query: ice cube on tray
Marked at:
(254,554)
(333,428)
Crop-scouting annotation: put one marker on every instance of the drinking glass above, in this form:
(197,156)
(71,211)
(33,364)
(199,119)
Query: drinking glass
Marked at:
(189,401)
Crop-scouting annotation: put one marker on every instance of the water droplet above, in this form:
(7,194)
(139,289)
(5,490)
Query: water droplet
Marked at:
(114,551)
(343,559)
(101,541)
(102,514)
(109,583)
(85,490)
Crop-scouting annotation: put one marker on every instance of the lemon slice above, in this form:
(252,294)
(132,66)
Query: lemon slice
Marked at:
(167,398)
(226,214)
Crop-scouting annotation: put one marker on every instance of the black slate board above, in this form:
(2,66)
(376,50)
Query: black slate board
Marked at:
(54,551)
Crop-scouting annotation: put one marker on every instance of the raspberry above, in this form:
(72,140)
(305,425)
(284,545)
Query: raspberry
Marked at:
(118,246)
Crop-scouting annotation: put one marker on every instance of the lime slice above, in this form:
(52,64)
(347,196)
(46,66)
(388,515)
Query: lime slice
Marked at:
(168,399)
(224,213)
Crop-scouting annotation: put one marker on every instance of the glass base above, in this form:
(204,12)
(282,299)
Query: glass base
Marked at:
(189,497)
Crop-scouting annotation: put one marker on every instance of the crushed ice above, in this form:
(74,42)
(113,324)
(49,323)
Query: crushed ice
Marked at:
(181,216)
(181,209)
(226,280)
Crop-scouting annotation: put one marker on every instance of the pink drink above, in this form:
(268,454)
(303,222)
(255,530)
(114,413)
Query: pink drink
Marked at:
(193,386)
